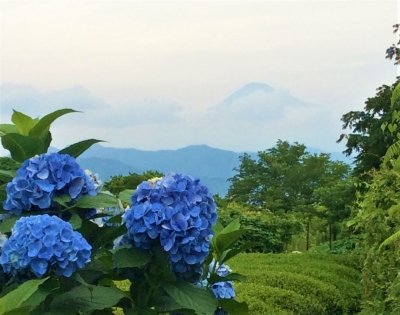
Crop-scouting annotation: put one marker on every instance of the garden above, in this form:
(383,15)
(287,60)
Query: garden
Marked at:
(296,234)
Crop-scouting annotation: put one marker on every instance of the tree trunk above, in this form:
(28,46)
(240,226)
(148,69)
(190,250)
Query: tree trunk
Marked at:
(308,235)
(330,236)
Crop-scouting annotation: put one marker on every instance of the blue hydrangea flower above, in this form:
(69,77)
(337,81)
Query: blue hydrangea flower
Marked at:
(223,289)
(43,177)
(39,243)
(176,212)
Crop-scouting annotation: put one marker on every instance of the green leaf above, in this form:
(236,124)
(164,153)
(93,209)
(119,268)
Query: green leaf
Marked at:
(23,122)
(218,227)
(3,196)
(62,200)
(7,224)
(99,201)
(233,307)
(22,147)
(226,255)
(395,95)
(7,128)
(38,297)
(86,298)
(130,257)
(392,127)
(15,299)
(44,123)
(191,297)
(233,226)
(7,176)
(214,278)
(224,241)
(125,195)
(46,139)
(75,221)
(108,235)
(78,148)
(166,304)
(390,240)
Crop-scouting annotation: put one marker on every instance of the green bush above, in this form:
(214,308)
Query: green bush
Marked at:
(327,294)
(265,300)
(320,277)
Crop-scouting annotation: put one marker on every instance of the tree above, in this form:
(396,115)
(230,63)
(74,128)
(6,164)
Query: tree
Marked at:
(368,140)
(284,178)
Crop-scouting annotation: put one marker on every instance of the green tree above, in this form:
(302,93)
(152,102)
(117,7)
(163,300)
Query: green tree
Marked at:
(284,178)
(336,200)
(119,183)
(367,138)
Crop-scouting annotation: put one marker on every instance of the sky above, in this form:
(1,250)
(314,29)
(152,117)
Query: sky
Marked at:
(159,75)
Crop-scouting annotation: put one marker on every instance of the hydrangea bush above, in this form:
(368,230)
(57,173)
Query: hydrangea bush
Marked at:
(66,245)
(176,212)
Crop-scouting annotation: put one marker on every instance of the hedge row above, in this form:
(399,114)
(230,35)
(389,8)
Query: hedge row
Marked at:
(318,278)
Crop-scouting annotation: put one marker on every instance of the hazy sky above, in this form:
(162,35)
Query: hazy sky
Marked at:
(152,75)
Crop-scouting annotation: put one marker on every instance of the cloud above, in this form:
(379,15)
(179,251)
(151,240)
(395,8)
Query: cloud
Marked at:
(31,101)
(27,99)
(149,111)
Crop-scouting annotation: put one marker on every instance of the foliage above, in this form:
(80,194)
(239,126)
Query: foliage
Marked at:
(120,183)
(51,207)
(309,281)
(269,233)
(368,139)
(378,218)
(284,178)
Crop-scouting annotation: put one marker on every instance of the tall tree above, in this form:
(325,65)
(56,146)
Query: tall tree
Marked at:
(284,178)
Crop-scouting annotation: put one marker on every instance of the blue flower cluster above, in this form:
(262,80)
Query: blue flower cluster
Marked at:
(223,289)
(177,212)
(38,243)
(43,177)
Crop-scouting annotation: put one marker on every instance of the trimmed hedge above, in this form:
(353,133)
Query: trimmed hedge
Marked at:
(267,300)
(326,294)
(318,277)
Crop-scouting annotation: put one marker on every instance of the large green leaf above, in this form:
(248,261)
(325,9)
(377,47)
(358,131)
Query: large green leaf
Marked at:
(16,298)
(7,224)
(3,195)
(78,148)
(99,201)
(22,147)
(7,175)
(191,297)
(226,240)
(8,128)
(232,226)
(62,200)
(44,123)
(108,235)
(23,122)
(86,298)
(233,307)
(230,253)
(125,195)
(130,257)
(46,138)
(75,221)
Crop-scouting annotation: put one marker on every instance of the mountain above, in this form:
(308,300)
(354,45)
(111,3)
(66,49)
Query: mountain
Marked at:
(212,166)
(255,102)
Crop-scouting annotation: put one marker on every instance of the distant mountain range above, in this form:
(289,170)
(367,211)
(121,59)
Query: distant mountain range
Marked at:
(212,166)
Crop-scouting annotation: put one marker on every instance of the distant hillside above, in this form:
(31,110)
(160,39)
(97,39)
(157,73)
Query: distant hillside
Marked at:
(212,166)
